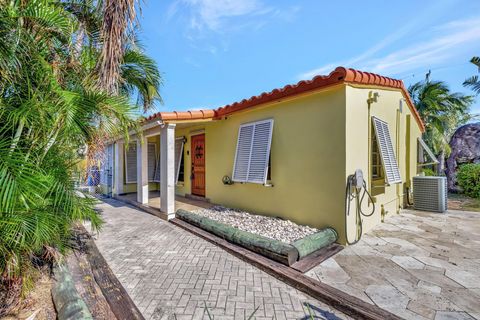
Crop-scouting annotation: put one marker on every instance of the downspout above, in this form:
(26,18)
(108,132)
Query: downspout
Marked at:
(407,159)
(397,124)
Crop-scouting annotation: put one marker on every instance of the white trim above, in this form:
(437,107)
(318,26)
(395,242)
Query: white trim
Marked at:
(196,132)
(178,162)
(425,147)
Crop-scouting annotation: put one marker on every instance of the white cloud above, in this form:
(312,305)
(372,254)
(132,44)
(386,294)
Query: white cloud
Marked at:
(391,38)
(213,14)
(451,38)
(434,46)
(326,69)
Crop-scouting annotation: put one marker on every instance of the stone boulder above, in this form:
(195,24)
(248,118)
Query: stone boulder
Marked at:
(465,146)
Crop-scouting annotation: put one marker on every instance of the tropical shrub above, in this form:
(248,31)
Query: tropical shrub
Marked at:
(442,111)
(51,106)
(468,178)
(429,172)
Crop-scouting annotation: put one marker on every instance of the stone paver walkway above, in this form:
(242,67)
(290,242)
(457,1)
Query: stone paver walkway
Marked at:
(417,265)
(172,274)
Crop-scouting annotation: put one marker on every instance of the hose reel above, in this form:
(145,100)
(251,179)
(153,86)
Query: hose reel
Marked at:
(353,192)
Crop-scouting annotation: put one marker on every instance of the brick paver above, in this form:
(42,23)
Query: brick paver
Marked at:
(173,274)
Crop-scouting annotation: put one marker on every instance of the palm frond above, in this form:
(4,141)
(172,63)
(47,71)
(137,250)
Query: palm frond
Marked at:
(473,83)
(141,76)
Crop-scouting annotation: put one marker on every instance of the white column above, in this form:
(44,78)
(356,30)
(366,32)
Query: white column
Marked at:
(142,170)
(167,170)
(118,168)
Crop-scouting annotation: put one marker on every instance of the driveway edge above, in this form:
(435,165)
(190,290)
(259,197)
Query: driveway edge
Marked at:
(339,300)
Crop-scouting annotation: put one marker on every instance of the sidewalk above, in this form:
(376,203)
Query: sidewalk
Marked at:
(172,274)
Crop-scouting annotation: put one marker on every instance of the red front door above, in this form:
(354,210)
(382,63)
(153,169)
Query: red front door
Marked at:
(198,164)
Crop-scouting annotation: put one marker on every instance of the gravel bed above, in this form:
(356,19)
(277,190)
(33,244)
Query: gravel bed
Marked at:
(273,228)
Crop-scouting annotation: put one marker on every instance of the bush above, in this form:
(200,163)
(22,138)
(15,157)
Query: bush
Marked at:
(468,178)
(429,172)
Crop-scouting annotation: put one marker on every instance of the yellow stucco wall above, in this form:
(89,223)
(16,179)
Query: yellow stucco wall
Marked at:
(358,139)
(318,140)
(307,158)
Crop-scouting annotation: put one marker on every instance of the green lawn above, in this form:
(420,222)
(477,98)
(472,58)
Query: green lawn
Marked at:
(462,202)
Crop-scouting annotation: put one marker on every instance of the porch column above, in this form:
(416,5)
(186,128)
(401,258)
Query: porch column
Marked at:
(118,169)
(167,170)
(142,170)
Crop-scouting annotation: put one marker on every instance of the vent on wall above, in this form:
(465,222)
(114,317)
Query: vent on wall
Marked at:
(430,193)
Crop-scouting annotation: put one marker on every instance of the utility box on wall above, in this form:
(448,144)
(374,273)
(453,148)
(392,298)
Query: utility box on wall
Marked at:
(430,193)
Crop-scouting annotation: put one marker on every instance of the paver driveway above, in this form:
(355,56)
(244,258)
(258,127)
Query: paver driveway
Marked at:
(418,265)
(172,274)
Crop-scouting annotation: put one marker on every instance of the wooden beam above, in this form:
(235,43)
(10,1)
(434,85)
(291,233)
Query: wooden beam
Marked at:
(350,305)
(117,297)
(317,257)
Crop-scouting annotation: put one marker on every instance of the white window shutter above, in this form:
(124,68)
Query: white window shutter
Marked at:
(390,165)
(424,147)
(178,156)
(262,137)
(152,160)
(253,152)
(242,154)
(109,172)
(131,163)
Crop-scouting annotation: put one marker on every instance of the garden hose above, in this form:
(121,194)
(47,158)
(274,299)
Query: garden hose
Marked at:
(349,196)
(408,197)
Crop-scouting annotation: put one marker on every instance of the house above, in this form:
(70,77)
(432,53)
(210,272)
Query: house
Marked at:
(285,153)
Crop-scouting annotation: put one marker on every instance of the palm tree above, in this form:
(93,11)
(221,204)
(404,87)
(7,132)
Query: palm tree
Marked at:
(51,106)
(112,53)
(474,82)
(442,111)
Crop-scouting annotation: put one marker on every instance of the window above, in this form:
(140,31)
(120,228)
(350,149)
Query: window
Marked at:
(131,163)
(423,148)
(179,162)
(152,160)
(377,168)
(253,152)
(385,148)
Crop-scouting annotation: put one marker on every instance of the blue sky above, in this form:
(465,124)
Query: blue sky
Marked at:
(214,52)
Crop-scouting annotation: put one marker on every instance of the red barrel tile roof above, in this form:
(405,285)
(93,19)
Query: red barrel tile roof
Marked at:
(337,76)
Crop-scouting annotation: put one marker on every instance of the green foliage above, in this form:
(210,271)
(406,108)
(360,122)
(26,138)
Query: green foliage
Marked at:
(473,82)
(429,172)
(468,178)
(50,107)
(442,111)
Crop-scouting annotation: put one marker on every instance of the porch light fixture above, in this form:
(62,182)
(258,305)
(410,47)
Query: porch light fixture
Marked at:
(227,180)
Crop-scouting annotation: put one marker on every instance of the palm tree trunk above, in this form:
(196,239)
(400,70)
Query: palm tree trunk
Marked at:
(16,138)
(441,163)
(80,39)
(118,16)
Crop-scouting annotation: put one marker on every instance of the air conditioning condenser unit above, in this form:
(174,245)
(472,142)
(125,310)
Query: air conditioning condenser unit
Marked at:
(430,193)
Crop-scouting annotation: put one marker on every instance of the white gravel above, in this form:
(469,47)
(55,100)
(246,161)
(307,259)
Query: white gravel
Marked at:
(274,228)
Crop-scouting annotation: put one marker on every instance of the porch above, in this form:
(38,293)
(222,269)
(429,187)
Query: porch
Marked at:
(154,202)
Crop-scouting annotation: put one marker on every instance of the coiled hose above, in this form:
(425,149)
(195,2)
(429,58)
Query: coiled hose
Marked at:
(349,197)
